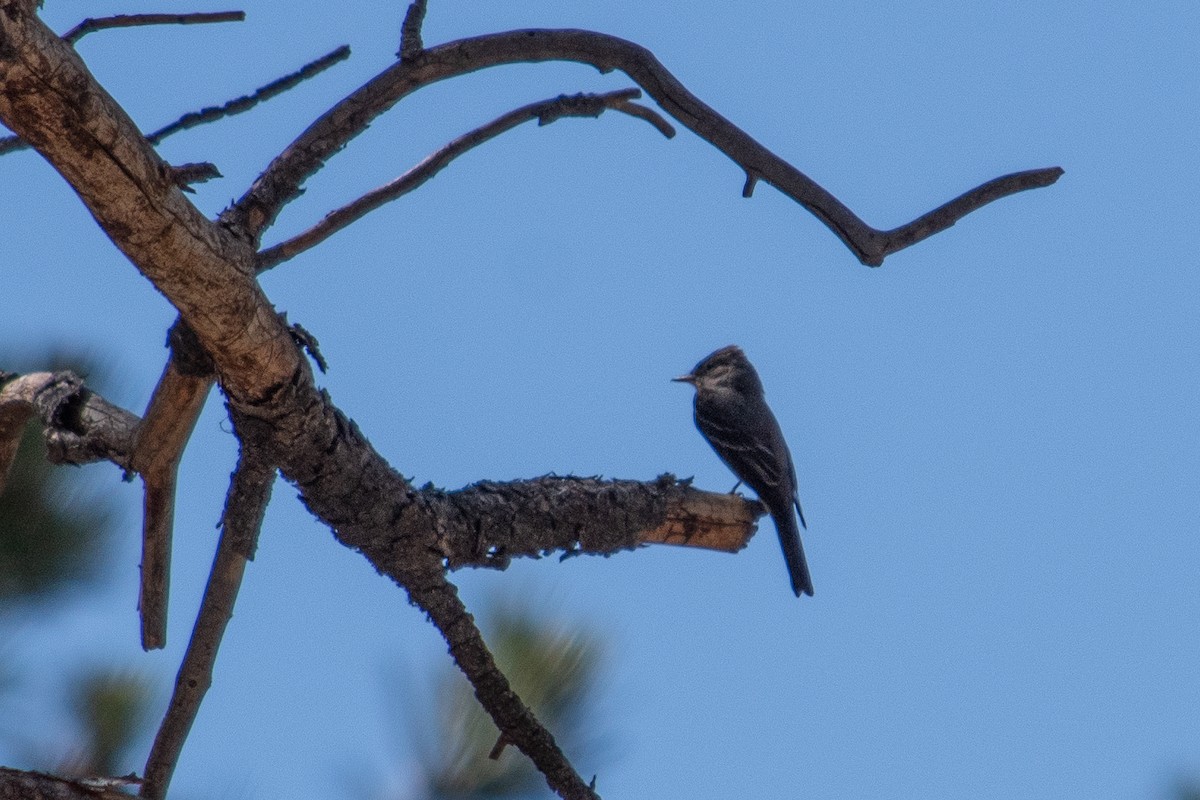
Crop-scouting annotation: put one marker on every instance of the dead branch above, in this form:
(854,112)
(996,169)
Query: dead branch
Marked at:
(243,104)
(439,599)
(545,112)
(162,435)
(410,31)
(486,524)
(81,427)
(245,505)
(21,785)
(281,181)
(236,106)
(93,24)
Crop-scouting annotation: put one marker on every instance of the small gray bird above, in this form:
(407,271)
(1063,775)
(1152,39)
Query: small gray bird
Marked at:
(733,416)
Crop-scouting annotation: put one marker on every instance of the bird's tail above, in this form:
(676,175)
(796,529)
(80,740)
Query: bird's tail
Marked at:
(793,552)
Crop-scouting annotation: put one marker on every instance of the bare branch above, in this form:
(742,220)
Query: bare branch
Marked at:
(162,435)
(411,45)
(946,215)
(648,114)
(487,524)
(239,105)
(280,183)
(10,144)
(22,785)
(247,102)
(81,427)
(438,598)
(245,505)
(545,112)
(92,24)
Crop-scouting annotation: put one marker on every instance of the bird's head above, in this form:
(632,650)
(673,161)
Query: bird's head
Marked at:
(726,368)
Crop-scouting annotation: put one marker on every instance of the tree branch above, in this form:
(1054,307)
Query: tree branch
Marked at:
(81,426)
(438,598)
(245,505)
(161,438)
(234,107)
(246,102)
(545,112)
(486,524)
(280,183)
(93,24)
(21,785)
(411,45)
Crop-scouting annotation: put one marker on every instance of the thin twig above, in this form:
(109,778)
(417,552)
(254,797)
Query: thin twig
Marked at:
(411,45)
(648,114)
(280,183)
(545,112)
(239,105)
(249,491)
(92,24)
(247,102)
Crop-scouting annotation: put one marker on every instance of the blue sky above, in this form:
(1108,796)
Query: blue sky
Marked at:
(995,433)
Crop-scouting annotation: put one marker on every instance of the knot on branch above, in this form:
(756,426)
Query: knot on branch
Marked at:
(581,105)
(184,175)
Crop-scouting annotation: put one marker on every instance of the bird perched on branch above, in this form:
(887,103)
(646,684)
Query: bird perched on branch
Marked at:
(733,416)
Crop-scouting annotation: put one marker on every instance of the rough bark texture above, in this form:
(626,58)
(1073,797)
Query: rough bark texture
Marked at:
(20,785)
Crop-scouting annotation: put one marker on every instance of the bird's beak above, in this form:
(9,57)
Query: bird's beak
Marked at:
(689,378)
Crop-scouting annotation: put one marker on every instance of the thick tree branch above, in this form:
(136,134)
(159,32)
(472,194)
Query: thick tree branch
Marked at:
(17,784)
(93,24)
(245,505)
(52,101)
(486,524)
(80,426)
(280,183)
(545,112)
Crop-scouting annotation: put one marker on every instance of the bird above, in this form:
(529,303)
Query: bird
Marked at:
(732,415)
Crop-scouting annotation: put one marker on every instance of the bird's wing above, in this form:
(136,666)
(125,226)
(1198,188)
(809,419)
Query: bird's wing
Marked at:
(752,455)
(796,492)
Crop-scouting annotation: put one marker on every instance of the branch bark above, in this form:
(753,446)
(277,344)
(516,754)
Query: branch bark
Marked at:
(18,784)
